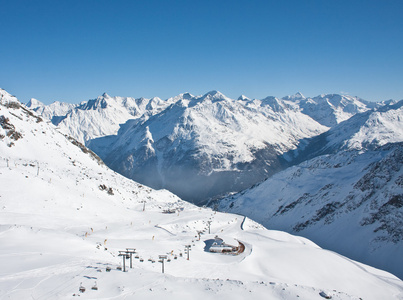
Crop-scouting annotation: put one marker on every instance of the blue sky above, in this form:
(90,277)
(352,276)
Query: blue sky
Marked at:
(73,51)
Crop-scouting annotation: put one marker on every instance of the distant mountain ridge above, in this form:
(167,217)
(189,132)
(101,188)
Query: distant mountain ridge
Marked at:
(338,184)
(212,143)
(201,147)
(348,187)
(66,219)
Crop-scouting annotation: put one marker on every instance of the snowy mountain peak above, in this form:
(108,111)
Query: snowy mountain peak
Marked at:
(187,96)
(105,95)
(34,103)
(297,96)
(276,104)
(331,109)
(99,103)
(5,97)
(243,98)
(65,217)
(214,95)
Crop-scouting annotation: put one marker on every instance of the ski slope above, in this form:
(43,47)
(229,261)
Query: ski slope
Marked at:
(65,216)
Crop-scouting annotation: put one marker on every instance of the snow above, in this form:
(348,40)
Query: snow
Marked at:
(368,130)
(34,103)
(209,135)
(296,96)
(346,197)
(330,110)
(98,117)
(60,228)
(211,144)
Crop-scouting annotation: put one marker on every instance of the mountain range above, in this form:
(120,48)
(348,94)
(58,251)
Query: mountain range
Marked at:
(66,219)
(199,147)
(347,194)
(327,167)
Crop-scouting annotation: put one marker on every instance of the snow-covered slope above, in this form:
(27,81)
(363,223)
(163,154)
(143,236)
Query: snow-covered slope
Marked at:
(201,147)
(363,131)
(348,197)
(65,216)
(330,110)
(98,117)
(55,112)
(204,146)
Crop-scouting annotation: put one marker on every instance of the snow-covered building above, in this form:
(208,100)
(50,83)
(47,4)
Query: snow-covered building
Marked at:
(219,246)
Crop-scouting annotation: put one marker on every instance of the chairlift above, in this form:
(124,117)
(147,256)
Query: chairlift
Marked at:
(119,268)
(81,288)
(141,260)
(108,269)
(175,257)
(137,256)
(94,287)
(168,260)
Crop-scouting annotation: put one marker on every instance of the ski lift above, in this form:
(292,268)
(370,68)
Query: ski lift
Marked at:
(81,288)
(95,287)
(175,257)
(141,259)
(137,256)
(108,269)
(119,268)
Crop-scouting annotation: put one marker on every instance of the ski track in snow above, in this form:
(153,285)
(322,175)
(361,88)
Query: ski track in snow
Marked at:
(62,226)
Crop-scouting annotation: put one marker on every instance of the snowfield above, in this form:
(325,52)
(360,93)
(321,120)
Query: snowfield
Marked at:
(200,147)
(65,216)
(347,197)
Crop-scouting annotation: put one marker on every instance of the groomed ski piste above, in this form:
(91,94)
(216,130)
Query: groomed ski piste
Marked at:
(64,217)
